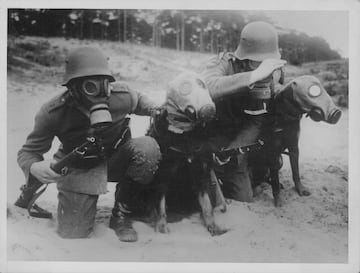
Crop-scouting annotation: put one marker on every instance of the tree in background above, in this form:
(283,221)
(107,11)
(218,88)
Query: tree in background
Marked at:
(194,30)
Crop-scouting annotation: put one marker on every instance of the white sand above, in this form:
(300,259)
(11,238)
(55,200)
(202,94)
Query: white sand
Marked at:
(310,229)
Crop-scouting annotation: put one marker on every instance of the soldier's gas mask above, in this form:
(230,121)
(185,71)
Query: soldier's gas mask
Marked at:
(93,94)
(261,90)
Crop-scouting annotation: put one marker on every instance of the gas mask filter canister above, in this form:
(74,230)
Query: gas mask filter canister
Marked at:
(317,114)
(261,90)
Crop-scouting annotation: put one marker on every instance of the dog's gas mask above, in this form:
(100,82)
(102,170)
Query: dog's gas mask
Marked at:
(188,103)
(314,100)
(93,94)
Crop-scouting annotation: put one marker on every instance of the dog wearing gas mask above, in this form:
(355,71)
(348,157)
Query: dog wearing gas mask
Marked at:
(303,95)
(180,130)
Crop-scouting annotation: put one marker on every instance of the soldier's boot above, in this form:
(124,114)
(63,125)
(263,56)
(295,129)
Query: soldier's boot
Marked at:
(27,192)
(28,196)
(120,220)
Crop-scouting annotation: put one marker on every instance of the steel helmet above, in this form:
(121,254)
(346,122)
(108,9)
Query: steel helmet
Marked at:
(258,41)
(86,61)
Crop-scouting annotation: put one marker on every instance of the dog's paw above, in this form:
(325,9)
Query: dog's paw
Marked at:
(215,230)
(302,190)
(162,227)
(278,201)
(223,208)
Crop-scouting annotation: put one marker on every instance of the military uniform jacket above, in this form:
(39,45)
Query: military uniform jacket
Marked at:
(63,118)
(222,79)
(229,87)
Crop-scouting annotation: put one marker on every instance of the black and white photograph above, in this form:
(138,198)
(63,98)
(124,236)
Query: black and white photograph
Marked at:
(180,138)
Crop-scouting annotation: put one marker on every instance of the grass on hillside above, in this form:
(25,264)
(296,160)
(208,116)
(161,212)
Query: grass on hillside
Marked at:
(144,63)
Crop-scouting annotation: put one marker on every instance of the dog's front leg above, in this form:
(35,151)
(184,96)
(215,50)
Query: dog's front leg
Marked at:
(161,222)
(292,143)
(275,183)
(294,163)
(159,205)
(275,164)
(207,213)
(219,197)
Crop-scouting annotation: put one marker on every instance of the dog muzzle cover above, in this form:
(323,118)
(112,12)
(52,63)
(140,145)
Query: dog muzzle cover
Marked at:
(188,103)
(314,100)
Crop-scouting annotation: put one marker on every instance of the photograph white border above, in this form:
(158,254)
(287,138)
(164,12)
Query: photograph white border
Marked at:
(354,136)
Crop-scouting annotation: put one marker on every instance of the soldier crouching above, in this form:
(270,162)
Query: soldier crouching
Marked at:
(241,83)
(93,104)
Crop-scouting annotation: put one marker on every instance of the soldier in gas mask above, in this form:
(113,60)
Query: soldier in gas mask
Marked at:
(241,84)
(94,103)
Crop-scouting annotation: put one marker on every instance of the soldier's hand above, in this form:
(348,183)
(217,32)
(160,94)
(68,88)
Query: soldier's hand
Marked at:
(265,69)
(42,171)
(278,76)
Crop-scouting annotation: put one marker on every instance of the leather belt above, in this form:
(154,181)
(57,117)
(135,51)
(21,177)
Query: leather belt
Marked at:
(257,112)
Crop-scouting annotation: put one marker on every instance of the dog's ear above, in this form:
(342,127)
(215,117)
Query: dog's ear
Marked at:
(160,118)
(162,114)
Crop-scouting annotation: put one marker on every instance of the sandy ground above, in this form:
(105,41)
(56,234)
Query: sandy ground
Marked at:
(310,229)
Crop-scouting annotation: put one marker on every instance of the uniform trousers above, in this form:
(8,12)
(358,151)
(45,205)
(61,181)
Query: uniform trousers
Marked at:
(235,174)
(136,161)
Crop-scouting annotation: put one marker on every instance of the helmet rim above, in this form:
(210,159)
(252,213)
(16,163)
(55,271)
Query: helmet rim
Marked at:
(258,41)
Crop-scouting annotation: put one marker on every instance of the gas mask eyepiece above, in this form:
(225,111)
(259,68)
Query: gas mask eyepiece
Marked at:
(205,114)
(316,114)
(94,88)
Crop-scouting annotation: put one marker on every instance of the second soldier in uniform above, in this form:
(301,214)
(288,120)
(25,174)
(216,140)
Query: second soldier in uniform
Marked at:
(240,84)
